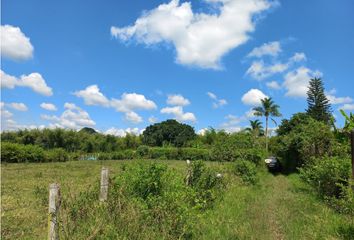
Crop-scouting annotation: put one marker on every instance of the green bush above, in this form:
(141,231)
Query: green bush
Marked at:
(303,142)
(223,150)
(254,155)
(247,171)
(327,175)
(206,183)
(142,151)
(56,155)
(17,153)
(193,154)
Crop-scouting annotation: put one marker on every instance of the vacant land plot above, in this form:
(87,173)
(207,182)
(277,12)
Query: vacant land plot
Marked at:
(279,207)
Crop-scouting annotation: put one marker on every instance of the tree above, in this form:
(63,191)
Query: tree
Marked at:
(319,107)
(255,128)
(88,130)
(286,126)
(267,109)
(168,132)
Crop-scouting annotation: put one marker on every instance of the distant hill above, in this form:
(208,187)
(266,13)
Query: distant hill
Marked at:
(88,130)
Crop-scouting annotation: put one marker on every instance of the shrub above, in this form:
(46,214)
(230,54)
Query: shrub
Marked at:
(16,153)
(327,175)
(142,151)
(254,155)
(56,155)
(123,155)
(247,171)
(223,150)
(206,183)
(193,154)
(304,142)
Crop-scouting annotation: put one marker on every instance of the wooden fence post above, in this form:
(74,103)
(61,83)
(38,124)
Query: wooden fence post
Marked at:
(104,184)
(54,204)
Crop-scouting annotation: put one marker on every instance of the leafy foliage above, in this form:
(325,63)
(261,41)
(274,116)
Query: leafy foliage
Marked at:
(169,132)
(247,171)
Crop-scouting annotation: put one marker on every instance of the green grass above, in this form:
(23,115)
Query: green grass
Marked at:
(279,207)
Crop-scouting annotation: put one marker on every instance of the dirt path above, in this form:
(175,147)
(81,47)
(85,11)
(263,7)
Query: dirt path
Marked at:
(280,207)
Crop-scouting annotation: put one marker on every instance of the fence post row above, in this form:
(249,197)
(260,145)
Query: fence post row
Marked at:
(54,204)
(104,185)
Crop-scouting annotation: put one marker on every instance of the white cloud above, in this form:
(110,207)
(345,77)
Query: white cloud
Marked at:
(271,49)
(133,117)
(18,106)
(273,85)
(152,119)
(347,107)
(258,70)
(297,81)
(73,118)
(132,101)
(127,104)
(250,113)
(202,131)
(14,44)
(232,124)
(92,96)
(34,81)
(298,57)
(339,100)
(5,114)
(179,114)
(48,106)
(200,39)
(123,132)
(177,100)
(216,102)
(253,97)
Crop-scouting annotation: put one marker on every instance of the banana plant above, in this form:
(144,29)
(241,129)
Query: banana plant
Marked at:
(349,121)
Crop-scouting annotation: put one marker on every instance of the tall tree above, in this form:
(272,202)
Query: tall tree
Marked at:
(256,128)
(267,109)
(319,107)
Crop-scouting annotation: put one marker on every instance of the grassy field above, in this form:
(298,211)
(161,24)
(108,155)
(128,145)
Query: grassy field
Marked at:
(279,207)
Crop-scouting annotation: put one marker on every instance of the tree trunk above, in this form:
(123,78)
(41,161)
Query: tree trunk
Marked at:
(266,134)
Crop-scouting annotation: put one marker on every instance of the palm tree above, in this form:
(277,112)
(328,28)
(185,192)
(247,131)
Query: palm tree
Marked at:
(267,109)
(256,128)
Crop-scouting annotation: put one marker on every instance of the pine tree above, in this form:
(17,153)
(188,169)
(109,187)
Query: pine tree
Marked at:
(319,107)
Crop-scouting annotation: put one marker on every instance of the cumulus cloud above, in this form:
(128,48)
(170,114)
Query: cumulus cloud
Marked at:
(273,85)
(216,101)
(133,117)
(73,117)
(92,96)
(202,131)
(18,106)
(132,101)
(347,107)
(127,104)
(152,119)
(48,106)
(253,97)
(200,39)
(14,44)
(177,100)
(259,71)
(297,81)
(123,132)
(179,114)
(232,124)
(298,57)
(35,81)
(338,100)
(271,49)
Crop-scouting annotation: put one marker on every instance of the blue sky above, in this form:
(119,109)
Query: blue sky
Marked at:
(118,66)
